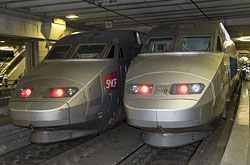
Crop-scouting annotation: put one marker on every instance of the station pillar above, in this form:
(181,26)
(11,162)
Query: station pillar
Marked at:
(32,54)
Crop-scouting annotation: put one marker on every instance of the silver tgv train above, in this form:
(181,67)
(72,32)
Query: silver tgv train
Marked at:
(177,88)
(75,91)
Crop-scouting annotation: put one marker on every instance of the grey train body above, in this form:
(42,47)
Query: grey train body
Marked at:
(90,68)
(200,56)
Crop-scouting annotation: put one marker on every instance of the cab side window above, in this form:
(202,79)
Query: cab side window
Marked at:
(219,48)
(111,52)
(121,56)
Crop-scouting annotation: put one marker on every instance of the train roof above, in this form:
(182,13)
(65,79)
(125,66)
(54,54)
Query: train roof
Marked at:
(195,28)
(103,36)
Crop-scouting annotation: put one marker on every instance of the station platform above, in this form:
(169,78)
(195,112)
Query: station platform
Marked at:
(238,150)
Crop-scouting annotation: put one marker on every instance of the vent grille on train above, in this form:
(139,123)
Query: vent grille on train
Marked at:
(161,89)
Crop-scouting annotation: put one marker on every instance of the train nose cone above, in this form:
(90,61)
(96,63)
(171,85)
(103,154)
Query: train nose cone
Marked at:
(41,111)
(204,66)
(39,114)
(151,113)
(161,108)
(166,110)
(38,110)
(66,72)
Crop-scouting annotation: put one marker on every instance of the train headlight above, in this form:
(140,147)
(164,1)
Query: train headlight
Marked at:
(196,88)
(142,89)
(60,92)
(183,89)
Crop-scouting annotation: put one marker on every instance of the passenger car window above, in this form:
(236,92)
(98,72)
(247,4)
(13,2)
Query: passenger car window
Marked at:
(89,51)
(58,52)
(196,43)
(160,44)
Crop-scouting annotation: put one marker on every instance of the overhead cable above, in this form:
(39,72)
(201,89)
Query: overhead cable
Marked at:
(99,5)
(200,10)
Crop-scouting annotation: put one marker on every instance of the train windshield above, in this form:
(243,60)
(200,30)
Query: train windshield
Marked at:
(196,43)
(89,51)
(160,44)
(59,52)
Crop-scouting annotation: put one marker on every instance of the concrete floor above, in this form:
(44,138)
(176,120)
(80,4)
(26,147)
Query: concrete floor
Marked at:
(237,150)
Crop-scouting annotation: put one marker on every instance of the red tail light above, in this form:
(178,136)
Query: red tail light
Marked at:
(183,89)
(144,90)
(141,89)
(61,92)
(57,92)
(188,88)
(25,93)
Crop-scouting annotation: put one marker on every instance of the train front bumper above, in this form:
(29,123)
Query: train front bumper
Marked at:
(155,114)
(39,114)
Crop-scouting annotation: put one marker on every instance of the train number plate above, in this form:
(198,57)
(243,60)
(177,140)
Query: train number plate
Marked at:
(161,89)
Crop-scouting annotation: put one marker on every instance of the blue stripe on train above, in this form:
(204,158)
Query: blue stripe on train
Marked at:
(233,67)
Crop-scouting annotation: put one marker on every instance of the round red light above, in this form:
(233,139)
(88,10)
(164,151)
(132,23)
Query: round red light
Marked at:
(58,93)
(25,93)
(183,89)
(144,90)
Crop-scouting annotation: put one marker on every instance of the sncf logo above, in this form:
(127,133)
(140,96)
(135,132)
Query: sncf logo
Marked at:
(110,81)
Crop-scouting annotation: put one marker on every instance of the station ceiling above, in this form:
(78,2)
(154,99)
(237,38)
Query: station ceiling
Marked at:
(130,14)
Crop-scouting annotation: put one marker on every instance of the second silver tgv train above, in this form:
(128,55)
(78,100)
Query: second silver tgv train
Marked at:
(176,89)
(76,89)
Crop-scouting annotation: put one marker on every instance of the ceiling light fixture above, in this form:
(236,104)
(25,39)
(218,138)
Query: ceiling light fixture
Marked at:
(75,33)
(59,21)
(6,48)
(72,16)
(2,41)
(245,39)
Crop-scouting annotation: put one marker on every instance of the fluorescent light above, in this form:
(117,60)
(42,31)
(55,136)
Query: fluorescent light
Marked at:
(246,38)
(75,33)
(71,16)
(2,41)
(6,48)
(59,21)
(244,58)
